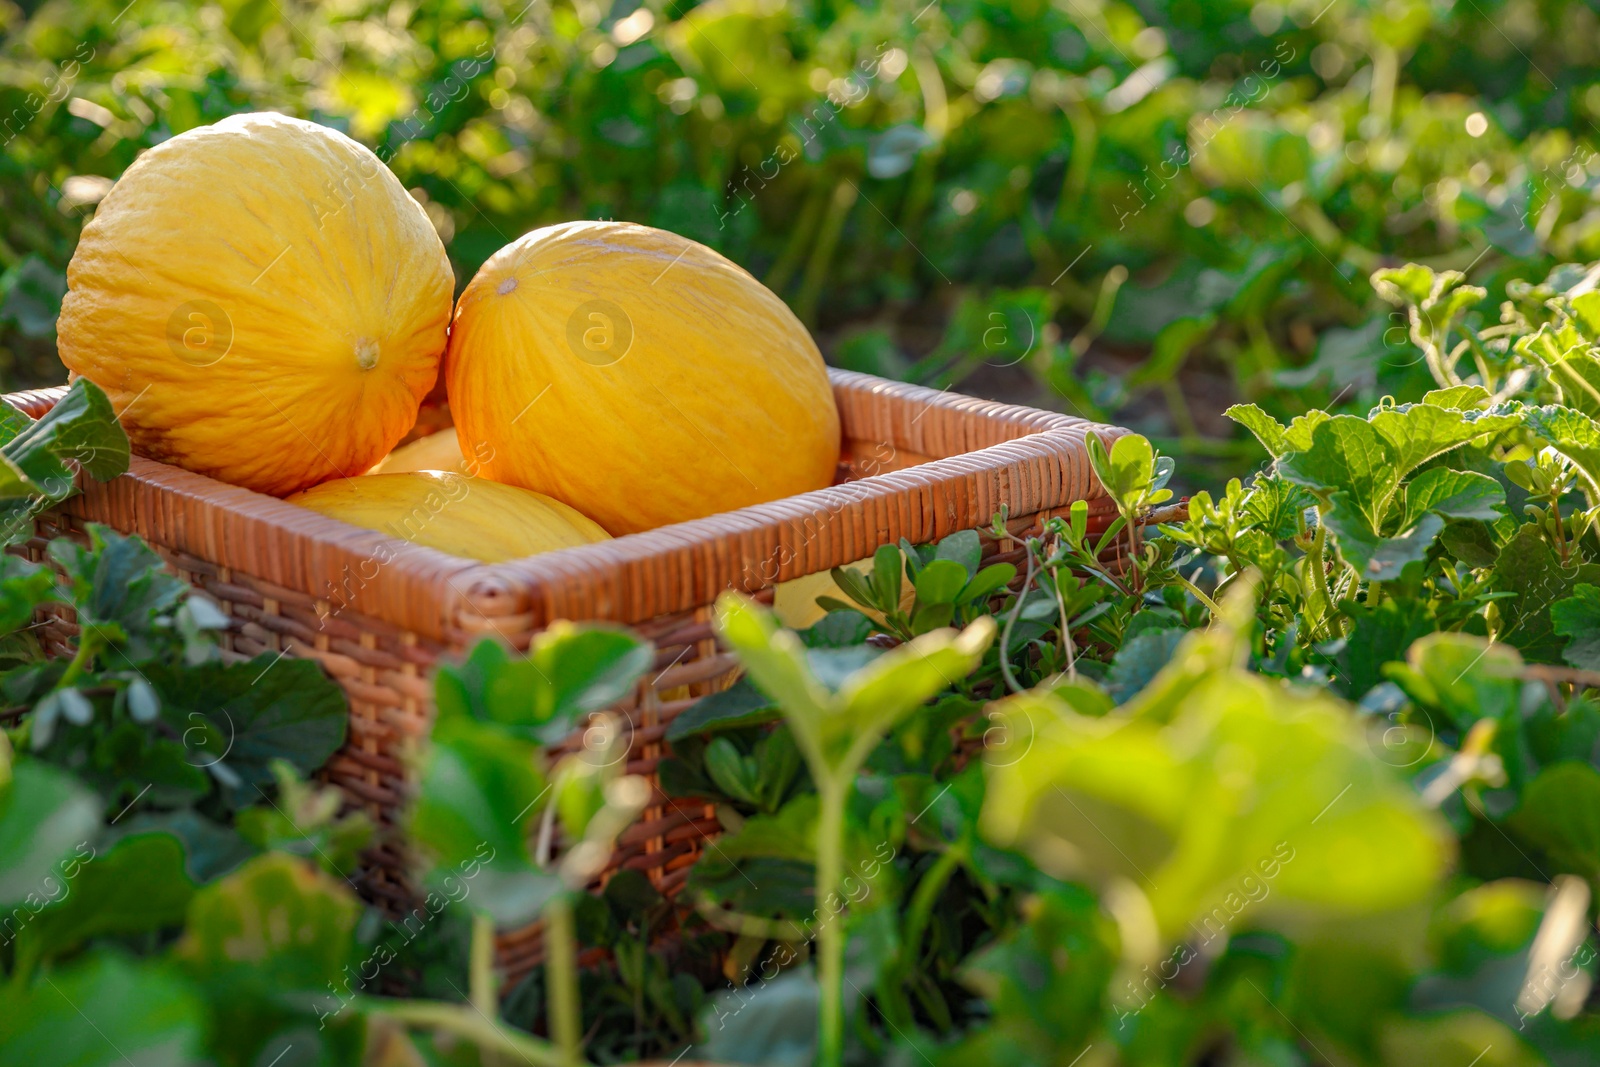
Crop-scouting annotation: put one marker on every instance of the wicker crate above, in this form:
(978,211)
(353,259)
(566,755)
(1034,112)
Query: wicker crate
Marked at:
(378,613)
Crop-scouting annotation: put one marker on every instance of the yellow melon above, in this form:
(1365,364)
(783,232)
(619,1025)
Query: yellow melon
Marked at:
(463,516)
(637,375)
(435,452)
(263,302)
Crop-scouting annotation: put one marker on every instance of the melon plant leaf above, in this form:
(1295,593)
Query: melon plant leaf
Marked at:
(1454,495)
(1466,677)
(1268,430)
(1416,433)
(45,816)
(1139,660)
(1376,557)
(1458,397)
(24,586)
(1578,617)
(1530,568)
(1347,455)
(1297,791)
(1573,434)
(144,1013)
(135,886)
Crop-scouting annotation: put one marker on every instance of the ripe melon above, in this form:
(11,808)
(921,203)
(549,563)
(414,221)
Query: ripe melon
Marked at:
(463,516)
(262,301)
(637,375)
(435,452)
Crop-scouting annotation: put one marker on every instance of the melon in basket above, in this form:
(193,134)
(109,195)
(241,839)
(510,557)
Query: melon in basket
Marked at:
(470,517)
(263,302)
(639,376)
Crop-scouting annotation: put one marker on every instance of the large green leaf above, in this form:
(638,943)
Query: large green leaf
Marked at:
(267,944)
(104,1011)
(1466,677)
(137,885)
(1452,494)
(46,818)
(1249,778)
(1348,456)
(477,797)
(245,715)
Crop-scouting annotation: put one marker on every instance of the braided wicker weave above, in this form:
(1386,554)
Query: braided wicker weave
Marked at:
(377,613)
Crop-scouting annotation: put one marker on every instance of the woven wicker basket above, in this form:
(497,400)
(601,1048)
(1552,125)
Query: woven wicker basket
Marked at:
(378,613)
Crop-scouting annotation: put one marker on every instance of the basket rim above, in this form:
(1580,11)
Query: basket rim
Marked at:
(1039,464)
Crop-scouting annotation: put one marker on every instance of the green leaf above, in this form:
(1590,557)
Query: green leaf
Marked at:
(245,715)
(1458,397)
(24,586)
(987,582)
(1374,556)
(1560,813)
(731,773)
(1578,617)
(1379,636)
(886,574)
(1347,455)
(1453,495)
(775,661)
(1248,778)
(104,1011)
(569,671)
(1410,284)
(45,815)
(902,679)
(263,940)
(137,885)
(1530,568)
(1573,434)
(1466,677)
(941,582)
(1139,660)
(1268,430)
(963,547)
(82,429)
(1416,433)
(1464,1038)
(477,796)
(741,704)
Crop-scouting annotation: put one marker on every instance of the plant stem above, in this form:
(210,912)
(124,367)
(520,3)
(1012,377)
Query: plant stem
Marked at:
(463,1021)
(480,966)
(561,976)
(832,796)
(88,646)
